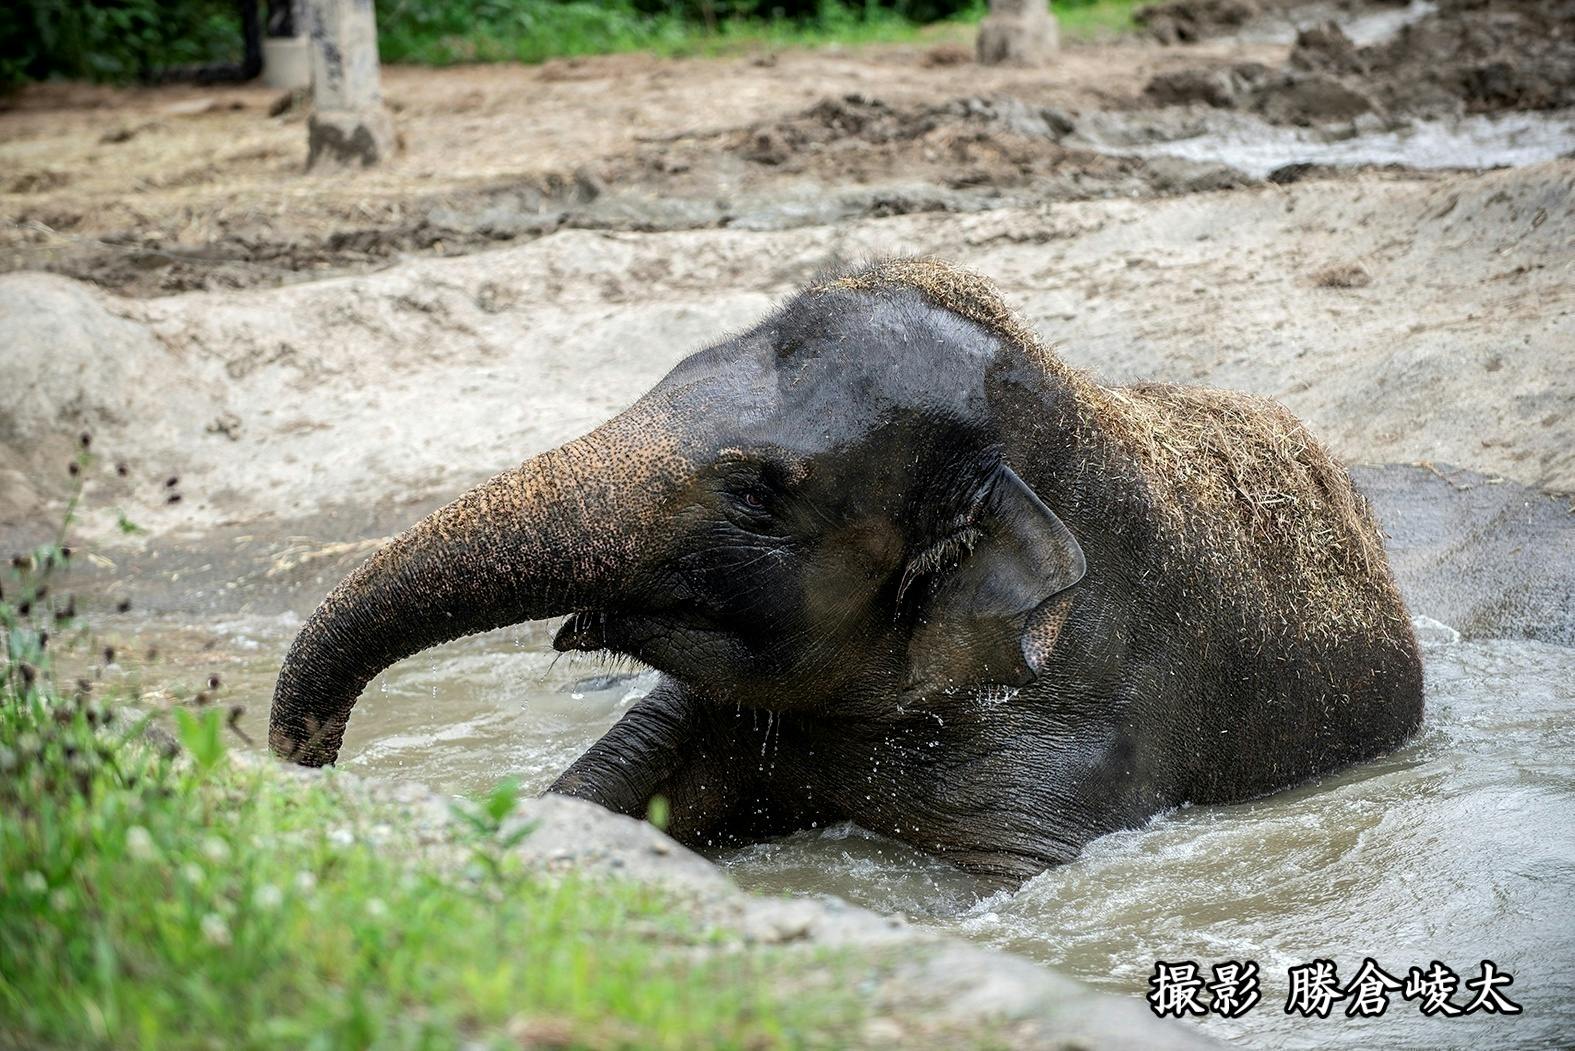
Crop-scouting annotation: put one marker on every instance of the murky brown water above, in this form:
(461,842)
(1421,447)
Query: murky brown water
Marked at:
(1458,848)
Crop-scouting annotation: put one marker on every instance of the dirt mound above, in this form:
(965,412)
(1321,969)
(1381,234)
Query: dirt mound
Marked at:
(861,120)
(844,157)
(857,138)
(1189,21)
(1468,56)
(1486,57)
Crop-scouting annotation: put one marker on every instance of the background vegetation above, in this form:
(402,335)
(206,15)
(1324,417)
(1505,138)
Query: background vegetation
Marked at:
(127,40)
(113,40)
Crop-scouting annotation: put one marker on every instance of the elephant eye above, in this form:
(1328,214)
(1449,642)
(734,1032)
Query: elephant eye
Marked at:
(752,506)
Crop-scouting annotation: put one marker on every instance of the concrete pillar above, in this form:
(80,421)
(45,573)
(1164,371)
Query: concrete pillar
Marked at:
(349,125)
(1018,33)
(287,62)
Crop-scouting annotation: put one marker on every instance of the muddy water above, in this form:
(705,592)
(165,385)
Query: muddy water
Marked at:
(1363,28)
(1256,147)
(1458,848)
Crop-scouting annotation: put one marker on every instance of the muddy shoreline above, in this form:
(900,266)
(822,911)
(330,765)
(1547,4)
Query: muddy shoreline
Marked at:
(1406,320)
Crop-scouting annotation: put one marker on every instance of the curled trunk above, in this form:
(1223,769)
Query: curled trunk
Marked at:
(530,543)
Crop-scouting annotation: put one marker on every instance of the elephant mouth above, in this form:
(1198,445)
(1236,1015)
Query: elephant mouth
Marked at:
(670,637)
(585,630)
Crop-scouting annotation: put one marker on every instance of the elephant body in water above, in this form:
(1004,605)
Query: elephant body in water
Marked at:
(900,565)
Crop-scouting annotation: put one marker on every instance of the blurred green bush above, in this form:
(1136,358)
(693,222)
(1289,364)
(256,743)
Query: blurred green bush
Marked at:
(113,40)
(124,40)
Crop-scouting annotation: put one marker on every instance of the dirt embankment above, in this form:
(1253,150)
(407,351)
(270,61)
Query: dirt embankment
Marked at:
(1465,56)
(153,192)
(156,191)
(1425,320)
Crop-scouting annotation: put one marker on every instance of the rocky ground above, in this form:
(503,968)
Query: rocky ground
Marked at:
(279,369)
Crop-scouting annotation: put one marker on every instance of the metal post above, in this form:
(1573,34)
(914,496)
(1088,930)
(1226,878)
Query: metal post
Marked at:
(349,125)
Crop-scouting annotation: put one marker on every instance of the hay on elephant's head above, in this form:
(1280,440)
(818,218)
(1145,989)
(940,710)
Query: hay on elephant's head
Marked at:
(961,291)
(1247,505)
(1244,487)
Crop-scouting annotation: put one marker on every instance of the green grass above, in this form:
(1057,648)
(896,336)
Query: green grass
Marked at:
(1101,18)
(121,41)
(155,900)
(423,32)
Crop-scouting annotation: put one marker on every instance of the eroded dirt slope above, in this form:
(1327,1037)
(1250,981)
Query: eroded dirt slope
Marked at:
(1461,56)
(1405,320)
(153,191)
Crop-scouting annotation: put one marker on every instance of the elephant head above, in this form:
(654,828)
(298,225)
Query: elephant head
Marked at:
(819,513)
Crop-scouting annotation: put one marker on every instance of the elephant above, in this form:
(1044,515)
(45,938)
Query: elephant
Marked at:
(899,564)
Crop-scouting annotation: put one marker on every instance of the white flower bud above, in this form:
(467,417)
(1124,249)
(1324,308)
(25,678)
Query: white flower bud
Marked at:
(215,930)
(138,843)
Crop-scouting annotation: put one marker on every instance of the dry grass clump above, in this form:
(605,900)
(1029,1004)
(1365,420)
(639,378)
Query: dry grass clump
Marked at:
(1257,505)
(1247,504)
(1343,275)
(960,291)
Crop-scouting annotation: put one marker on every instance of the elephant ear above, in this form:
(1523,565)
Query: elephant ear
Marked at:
(973,625)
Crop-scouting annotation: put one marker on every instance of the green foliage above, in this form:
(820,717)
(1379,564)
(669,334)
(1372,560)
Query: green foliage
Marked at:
(1094,18)
(201,734)
(657,812)
(126,525)
(112,40)
(442,32)
(153,897)
(490,837)
(122,40)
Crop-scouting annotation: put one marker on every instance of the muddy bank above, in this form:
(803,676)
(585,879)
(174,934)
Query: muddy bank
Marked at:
(1405,320)
(1454,58)
(160,191)
(154,191)
(843,157)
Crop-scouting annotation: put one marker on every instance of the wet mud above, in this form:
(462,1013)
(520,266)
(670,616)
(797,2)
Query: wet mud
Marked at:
(1460,57)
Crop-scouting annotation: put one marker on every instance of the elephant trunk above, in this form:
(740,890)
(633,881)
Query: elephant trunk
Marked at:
(530,543)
